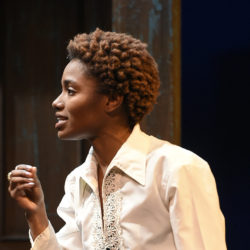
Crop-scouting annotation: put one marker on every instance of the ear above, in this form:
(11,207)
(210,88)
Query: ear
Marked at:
(113,103)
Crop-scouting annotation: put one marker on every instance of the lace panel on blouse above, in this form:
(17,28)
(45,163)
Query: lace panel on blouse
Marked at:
(108,235)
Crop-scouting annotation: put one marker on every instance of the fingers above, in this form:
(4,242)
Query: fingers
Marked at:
(26,171)
(21,172)
(21,180)
(24,167)
(23,176)
(25,187)
(19,190)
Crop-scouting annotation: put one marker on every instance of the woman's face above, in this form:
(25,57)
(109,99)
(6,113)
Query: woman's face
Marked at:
(79,108)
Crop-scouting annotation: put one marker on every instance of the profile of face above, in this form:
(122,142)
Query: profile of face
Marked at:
(80,109)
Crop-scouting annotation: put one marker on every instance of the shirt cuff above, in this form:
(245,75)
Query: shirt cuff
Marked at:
(44,239)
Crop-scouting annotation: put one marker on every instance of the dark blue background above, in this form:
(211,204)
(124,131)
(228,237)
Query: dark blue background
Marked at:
(215,102)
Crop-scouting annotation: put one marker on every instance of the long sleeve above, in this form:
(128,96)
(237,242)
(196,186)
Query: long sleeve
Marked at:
(46,240)
(69,236)
(196,218)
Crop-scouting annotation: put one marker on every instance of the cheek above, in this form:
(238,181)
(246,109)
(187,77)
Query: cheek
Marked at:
(76,104)
(77,113)
(86,112)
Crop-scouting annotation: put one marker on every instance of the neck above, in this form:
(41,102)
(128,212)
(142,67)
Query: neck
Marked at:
(107,145)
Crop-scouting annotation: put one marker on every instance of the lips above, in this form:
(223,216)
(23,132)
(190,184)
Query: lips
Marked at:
(61,120)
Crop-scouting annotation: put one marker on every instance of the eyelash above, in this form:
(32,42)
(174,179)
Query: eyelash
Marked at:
(70,91)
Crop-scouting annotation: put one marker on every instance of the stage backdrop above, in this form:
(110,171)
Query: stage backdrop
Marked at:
(216,103)
(34,35)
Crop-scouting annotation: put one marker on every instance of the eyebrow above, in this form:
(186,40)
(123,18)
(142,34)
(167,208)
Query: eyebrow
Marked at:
(67,82)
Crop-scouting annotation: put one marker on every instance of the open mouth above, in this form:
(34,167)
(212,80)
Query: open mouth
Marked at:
(61,120)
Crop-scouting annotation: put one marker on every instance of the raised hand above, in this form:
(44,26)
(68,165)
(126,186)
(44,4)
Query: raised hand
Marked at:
(26,189)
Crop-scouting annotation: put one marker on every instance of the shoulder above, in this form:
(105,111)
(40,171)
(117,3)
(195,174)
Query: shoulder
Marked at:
(174,161)
(173,154)
(180,170)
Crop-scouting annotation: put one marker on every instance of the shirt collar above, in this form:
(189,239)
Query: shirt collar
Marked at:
(130,158)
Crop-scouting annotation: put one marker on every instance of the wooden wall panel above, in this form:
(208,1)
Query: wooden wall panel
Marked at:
(157,22)
(36,34)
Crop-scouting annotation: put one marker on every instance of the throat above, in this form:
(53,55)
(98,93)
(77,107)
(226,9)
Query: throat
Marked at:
(108,144)
(101,170)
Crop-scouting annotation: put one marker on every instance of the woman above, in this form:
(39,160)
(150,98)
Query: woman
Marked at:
(133,191)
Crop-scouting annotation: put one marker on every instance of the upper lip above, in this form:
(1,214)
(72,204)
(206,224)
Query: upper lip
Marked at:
(60,117)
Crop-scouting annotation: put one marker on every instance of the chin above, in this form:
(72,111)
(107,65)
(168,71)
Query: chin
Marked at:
(64,136)
(73,137)
(67,137)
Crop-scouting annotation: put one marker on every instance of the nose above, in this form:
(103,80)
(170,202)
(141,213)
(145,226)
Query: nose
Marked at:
(58,103)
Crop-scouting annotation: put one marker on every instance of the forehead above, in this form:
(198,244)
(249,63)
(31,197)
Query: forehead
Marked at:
(76,73)
(75,67)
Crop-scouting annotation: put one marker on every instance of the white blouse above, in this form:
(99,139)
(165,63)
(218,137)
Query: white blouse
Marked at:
(156,195)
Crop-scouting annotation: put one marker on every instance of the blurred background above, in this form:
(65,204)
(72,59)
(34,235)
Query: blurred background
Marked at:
(203,53)
(216,104)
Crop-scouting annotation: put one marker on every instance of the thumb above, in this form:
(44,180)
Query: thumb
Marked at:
(34,175)
(34,172)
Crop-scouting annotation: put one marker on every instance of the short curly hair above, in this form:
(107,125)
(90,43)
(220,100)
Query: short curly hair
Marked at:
(122,65)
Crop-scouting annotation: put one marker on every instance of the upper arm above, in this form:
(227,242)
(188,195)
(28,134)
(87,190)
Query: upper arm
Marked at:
(196,219)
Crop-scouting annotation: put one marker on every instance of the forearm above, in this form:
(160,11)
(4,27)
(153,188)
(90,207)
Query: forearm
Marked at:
(37,221)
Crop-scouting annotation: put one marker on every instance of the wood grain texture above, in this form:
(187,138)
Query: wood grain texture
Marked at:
(157,22)
(34,44)
(33,41)
(34,36)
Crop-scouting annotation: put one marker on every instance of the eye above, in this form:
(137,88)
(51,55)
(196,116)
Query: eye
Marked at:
(70,91)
